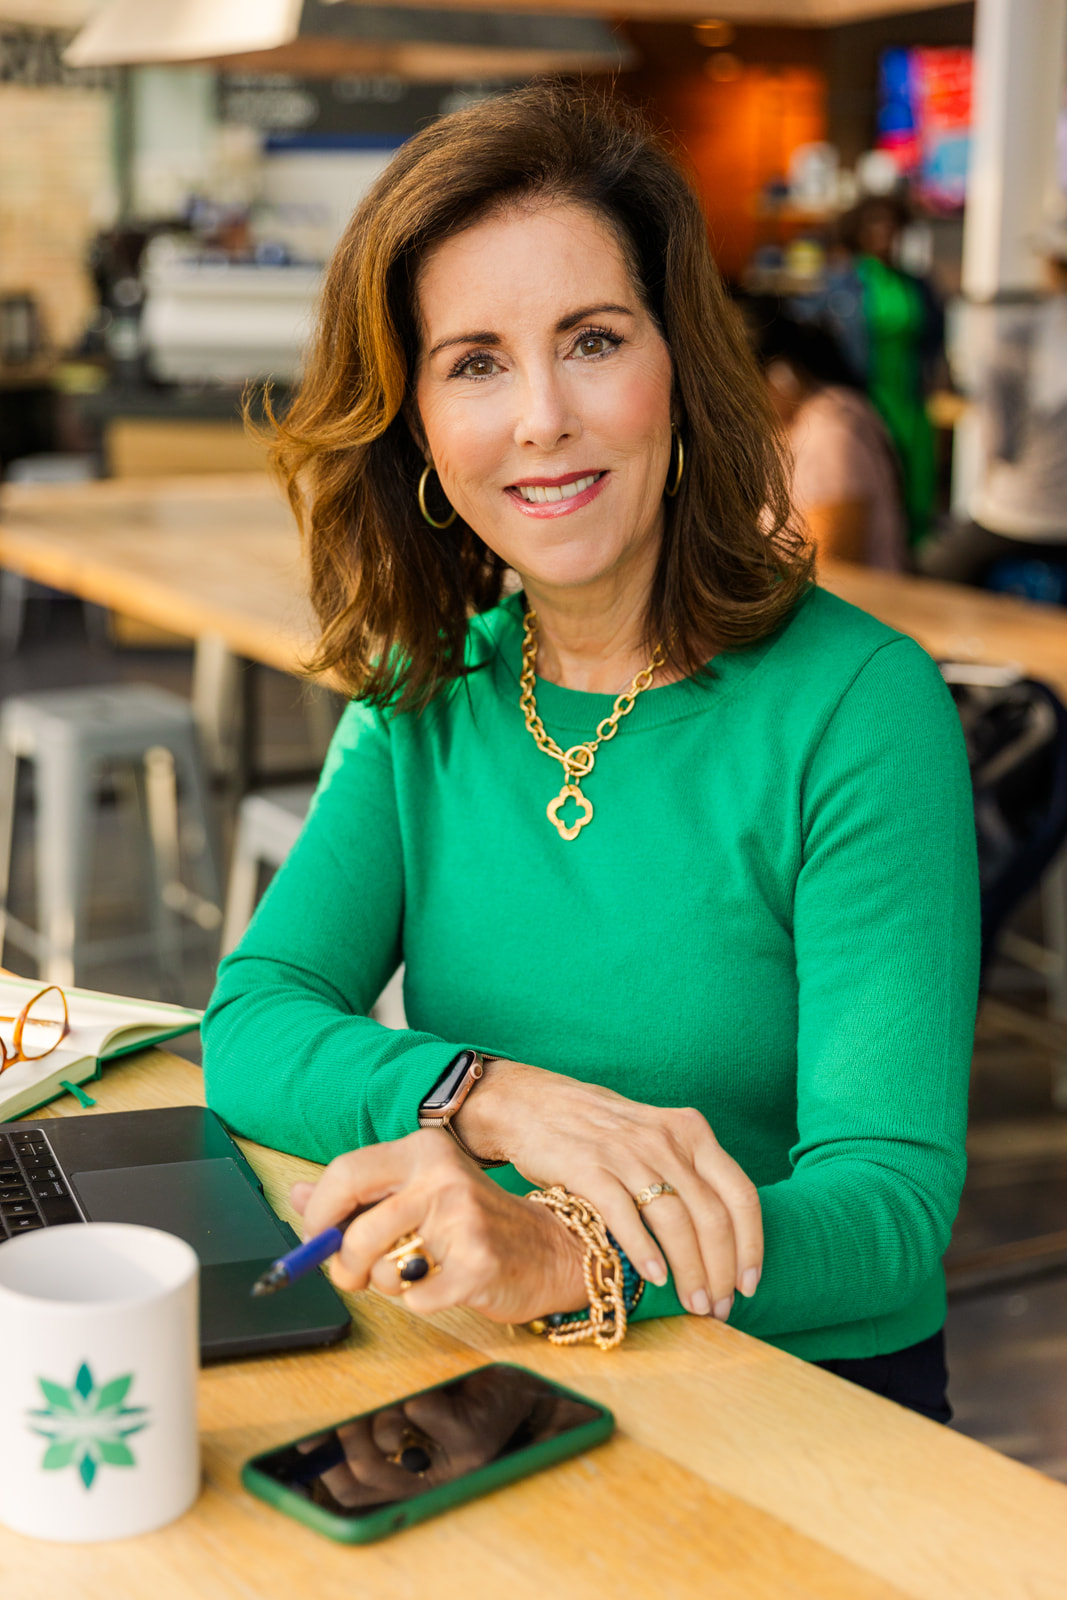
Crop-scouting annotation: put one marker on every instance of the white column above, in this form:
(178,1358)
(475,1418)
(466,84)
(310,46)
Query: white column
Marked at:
(1019,48)
(175,128)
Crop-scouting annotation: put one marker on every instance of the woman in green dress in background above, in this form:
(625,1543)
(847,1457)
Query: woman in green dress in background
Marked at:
(890,328)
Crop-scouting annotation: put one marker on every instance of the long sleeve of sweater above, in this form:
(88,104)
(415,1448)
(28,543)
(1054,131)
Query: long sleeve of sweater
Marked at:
(292,1057)
(886,936)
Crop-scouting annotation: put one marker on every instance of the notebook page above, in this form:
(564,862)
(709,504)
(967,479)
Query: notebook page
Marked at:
(93,1019)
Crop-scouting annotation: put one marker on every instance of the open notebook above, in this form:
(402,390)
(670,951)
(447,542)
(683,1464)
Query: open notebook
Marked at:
(102,1026)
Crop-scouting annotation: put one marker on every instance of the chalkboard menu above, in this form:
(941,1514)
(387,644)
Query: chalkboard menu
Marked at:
(284,107)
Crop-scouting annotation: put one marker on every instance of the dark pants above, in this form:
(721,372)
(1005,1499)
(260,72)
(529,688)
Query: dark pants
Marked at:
(916,1377)
(968,554)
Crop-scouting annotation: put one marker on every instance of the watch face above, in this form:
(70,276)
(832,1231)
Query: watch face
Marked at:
(444,1090)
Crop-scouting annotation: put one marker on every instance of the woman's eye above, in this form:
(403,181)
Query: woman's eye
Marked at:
(478,367)
(595,344)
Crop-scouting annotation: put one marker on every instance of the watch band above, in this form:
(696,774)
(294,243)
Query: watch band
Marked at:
(437,1112)
(467,1151)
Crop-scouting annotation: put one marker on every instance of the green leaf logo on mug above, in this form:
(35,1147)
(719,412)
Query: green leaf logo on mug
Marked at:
(87,1425)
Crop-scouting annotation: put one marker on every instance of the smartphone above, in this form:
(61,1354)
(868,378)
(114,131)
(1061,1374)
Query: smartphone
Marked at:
(401,1463)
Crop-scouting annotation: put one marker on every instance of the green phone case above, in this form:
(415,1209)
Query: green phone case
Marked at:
(391,1518)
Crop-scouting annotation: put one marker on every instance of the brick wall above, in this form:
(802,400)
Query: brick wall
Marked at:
(56,190)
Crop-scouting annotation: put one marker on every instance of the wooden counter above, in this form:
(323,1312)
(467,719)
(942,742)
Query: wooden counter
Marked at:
(219,555)
(198,555)
(737,1473)
(955,623)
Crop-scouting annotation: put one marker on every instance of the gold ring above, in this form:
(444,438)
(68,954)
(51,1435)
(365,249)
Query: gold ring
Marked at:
(412,1261)
(644,1197)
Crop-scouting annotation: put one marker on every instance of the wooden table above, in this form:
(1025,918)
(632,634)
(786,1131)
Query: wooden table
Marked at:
(955,623)
(737,1472)
(218,556)
(214,555)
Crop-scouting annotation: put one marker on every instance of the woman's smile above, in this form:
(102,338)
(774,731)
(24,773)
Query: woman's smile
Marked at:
(556,497)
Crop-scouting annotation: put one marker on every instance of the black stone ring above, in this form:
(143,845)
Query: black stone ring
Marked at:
(412,1261)
(413,1453)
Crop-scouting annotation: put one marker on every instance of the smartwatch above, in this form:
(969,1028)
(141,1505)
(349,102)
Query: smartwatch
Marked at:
(449,1093)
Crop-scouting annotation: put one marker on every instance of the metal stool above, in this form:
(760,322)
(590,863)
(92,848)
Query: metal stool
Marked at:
(267,829)
(15,589)
(70,735)
(268,825)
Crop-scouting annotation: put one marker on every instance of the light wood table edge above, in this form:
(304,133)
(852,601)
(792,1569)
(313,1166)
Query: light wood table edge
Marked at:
(926,1511)
(150,600)
(676,1532)
(43,536)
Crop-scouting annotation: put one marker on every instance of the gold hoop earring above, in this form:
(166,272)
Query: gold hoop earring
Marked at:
(670,489)
(422,501)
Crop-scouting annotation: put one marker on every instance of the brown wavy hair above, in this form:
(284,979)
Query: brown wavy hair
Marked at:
(393,595)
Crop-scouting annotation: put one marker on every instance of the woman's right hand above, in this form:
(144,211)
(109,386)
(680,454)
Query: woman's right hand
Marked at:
(460,1426)
(559,1130)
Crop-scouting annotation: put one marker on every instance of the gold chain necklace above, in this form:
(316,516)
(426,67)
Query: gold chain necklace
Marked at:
(578,761)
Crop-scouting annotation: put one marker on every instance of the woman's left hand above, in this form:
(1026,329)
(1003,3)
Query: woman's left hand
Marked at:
(504,1257)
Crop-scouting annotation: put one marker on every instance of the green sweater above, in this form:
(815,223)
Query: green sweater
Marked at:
(772,917)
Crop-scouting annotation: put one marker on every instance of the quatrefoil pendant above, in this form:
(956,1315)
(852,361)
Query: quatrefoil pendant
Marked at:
(570,791)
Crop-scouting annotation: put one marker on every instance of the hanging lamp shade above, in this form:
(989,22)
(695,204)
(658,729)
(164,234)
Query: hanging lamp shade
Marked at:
(781,13)
(336,38)
(49,13)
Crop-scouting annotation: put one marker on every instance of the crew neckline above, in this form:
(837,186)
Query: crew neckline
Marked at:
(579,710)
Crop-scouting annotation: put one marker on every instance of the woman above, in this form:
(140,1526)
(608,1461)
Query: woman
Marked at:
(892,327)
(846,486)
(723,963)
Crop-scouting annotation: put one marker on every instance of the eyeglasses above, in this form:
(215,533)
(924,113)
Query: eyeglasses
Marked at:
(40,1026)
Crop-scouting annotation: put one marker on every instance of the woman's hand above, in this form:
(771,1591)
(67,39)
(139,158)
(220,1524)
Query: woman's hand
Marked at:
(458,1427)
(600,1145)
(499,1254)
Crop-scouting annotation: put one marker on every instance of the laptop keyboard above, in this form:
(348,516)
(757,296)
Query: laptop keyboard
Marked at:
(33,1191)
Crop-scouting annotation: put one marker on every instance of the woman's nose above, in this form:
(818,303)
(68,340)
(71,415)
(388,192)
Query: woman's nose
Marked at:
(547,417)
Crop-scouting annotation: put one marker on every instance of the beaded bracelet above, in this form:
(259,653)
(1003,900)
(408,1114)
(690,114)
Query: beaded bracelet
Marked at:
(613,1285)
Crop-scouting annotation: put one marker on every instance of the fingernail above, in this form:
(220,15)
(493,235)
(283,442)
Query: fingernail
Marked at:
(723,1308)
(654,1272)
(750,1282)
(700,1303)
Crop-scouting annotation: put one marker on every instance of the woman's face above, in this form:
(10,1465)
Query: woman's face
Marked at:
(878,232)
(544,391)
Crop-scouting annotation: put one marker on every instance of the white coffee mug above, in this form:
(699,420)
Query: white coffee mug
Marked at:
(98,1374)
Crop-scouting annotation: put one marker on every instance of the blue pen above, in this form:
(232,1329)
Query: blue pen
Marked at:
(305,1258)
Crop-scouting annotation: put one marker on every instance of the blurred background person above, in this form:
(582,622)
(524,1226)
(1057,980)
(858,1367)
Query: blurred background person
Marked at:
(1020,509)
(891,325)
(846,481)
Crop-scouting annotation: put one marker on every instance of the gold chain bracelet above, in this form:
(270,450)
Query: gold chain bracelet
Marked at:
(601,1269)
